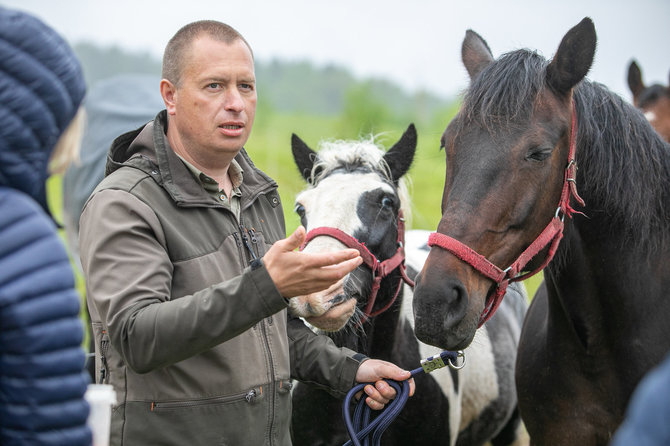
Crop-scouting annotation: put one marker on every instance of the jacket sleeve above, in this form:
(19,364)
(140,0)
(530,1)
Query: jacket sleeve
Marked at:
(42,375)
(129,277)
(316,359)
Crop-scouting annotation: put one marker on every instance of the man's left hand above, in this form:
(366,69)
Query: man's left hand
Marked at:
(375,371)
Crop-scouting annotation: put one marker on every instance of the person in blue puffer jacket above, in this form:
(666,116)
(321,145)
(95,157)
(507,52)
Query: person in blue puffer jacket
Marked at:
(42,376)
(648,412)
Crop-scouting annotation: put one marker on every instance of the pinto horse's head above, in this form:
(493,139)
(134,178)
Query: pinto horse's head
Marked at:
(653,100)
(354,187)
(506,152)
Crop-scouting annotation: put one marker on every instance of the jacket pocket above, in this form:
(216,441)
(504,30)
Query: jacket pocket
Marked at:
(249,396)
(231,420)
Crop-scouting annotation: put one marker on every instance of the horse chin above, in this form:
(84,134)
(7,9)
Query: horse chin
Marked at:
(457,338)
(336,317)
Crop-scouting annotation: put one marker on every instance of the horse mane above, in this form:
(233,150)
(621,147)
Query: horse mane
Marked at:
(624,165)
(364,155)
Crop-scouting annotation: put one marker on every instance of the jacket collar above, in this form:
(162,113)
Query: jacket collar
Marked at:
(147,149)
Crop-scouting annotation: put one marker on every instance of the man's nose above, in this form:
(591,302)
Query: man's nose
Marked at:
(232,101)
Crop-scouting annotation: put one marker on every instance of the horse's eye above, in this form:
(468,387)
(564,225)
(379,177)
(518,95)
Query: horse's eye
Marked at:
(538,154)
(387,202)
(300,210)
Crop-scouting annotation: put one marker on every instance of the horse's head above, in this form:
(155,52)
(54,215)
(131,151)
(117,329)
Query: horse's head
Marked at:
(653,100)
(506,152)
(357,189)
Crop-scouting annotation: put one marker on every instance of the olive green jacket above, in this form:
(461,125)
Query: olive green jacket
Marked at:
(189,327)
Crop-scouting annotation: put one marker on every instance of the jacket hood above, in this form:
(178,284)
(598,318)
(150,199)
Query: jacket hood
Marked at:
(113,106)
(41,88)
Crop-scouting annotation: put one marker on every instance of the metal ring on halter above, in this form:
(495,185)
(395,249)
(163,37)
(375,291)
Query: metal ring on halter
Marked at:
(461,354)
(558,211)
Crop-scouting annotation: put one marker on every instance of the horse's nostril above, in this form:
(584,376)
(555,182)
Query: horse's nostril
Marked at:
(456,299)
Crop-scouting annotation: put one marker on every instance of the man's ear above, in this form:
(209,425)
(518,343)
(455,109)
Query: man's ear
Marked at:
(169,94)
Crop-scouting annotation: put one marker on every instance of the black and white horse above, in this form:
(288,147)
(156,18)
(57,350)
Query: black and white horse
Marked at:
(357,189)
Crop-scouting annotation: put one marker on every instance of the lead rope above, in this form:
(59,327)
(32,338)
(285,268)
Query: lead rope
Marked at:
(370,433)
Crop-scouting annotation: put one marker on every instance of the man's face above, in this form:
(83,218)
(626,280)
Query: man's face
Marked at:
(213,108)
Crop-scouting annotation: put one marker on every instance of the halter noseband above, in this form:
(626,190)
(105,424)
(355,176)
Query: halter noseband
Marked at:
(550,236)
(379,269)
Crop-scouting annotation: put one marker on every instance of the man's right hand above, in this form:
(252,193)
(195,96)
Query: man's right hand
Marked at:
(298,273)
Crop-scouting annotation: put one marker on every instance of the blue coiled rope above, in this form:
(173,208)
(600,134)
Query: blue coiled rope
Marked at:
(360,427)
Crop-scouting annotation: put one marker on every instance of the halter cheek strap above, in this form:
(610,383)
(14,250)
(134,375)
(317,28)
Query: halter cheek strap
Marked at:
(550,236)
(379,269)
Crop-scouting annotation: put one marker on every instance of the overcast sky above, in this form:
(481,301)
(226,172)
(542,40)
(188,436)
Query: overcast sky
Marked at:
(413,43)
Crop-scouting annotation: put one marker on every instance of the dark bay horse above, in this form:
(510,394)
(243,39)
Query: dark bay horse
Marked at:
(653,100)
(359,189)
(598,323)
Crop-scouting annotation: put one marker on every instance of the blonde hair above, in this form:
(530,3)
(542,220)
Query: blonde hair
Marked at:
(68,146)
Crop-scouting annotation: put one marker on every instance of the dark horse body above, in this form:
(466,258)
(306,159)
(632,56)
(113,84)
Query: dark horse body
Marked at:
(599,322)
(351,190)
(653,100)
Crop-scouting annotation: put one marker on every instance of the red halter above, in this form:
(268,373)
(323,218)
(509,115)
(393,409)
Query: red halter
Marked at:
(550,236)
(379,269)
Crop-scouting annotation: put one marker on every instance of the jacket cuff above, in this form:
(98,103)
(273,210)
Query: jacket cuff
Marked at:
(348,372)
(266,288)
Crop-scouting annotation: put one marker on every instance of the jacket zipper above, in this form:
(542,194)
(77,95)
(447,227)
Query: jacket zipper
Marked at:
(245,239)
(249,396)
(240,249)
(104,347)
(273,385)
(254,241)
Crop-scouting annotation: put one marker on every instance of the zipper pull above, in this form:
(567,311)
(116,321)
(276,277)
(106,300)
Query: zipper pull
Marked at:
(252,234)
(250,396)
(245,239)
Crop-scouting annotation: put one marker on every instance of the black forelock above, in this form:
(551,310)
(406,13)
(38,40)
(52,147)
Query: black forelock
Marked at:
(504,92)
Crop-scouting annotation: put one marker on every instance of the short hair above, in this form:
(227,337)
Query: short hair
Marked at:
(176,49)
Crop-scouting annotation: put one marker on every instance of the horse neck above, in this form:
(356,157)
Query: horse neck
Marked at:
(385,327)
(610,269)
(604,290)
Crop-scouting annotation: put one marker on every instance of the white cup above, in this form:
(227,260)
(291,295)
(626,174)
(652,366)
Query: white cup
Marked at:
(100,397)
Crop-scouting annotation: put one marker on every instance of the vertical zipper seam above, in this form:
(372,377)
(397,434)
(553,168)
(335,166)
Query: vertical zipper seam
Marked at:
(271,382)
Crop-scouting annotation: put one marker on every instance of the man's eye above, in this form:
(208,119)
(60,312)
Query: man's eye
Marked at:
(246,87)
(213,85)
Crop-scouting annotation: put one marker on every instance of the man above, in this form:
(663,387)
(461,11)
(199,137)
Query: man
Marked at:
(188,274)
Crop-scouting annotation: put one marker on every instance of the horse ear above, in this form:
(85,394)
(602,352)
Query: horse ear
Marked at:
(475,53)
(304,156)
(399,157)
(573,58)
(635,80)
